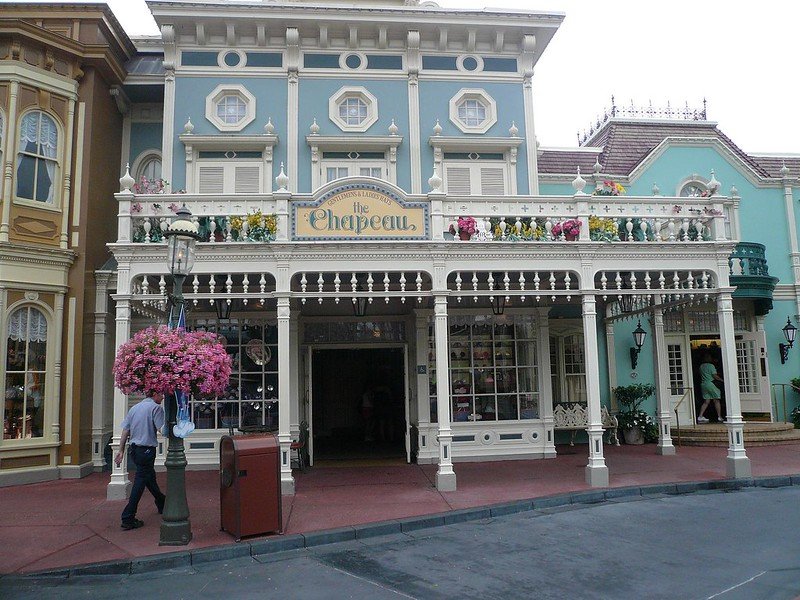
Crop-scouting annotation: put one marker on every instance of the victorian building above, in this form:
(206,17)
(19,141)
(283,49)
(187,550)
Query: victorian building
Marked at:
(61,68)
(399,270)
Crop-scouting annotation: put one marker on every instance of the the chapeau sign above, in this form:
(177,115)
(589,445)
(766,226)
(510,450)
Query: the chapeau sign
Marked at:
(359,211)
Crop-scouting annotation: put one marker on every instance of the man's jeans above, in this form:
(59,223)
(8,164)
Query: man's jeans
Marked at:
(144,457)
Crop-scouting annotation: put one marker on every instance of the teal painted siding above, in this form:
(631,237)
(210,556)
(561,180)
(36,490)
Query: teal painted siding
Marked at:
(190,101)
(434,103)
(392,96)
(145,136)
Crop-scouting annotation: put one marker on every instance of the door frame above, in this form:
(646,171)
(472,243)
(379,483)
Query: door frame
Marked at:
(309,385)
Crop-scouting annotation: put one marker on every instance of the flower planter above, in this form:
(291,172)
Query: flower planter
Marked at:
(633,435)
(464,236)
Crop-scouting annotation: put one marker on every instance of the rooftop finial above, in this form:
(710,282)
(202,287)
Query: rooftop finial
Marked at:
(579,183)
(437,129)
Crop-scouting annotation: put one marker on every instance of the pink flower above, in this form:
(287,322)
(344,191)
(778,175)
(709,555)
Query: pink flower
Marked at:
(158,359)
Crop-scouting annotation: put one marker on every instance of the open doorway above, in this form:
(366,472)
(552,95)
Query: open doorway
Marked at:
(358,403)
(707,349)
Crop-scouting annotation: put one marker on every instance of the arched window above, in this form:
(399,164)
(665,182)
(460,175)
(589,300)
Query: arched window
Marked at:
(26,361)
(149,168)
(37,163)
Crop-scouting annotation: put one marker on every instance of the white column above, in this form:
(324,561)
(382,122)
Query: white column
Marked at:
(413,65)
(170,62)
(293,104)
(445,476)
(294,379)
(596,470)
(528,49)
(423,382)
(284,396)
(611,356)
(120,485)
(791,224)
(57,368)
(102,370)
(66,188)
(545,380)
(738,463)
(661,363)
(9,158)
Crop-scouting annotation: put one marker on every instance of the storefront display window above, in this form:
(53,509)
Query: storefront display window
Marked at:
(26,363)
(252,395)
(493,371)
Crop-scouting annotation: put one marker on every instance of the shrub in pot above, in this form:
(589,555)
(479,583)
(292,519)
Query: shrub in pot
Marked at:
(637,426)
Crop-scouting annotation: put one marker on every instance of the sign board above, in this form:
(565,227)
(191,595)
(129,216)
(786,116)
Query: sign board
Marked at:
(359,211)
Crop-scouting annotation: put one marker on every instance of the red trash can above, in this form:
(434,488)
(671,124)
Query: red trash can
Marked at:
(250,485)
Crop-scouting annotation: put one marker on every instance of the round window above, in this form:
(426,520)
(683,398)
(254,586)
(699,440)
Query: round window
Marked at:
(232,59)
(469,63)
(353,61)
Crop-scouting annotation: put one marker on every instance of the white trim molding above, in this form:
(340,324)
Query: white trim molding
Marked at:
(345,93)
(194,144)
(477,95)
(230,89)
(387,144)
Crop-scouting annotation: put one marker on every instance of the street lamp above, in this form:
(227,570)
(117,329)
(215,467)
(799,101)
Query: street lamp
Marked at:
(498,304)
(639,335)
(789,332)
(176,530)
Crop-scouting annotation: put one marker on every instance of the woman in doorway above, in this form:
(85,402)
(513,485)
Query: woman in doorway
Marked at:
(710,391)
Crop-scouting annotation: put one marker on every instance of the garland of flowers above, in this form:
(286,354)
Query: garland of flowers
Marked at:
(163,360)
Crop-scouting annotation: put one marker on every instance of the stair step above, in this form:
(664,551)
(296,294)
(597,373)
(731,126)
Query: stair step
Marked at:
(755,434)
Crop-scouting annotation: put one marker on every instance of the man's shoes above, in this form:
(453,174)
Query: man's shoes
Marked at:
(720,420)
(702,420)
(135,524)
(160,506)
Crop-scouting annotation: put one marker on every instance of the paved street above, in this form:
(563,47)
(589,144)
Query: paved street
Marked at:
(728,545)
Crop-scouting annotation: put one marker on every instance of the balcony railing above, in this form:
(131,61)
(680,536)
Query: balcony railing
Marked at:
(266,218)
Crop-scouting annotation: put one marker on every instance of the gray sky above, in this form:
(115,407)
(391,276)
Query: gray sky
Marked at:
(742,56)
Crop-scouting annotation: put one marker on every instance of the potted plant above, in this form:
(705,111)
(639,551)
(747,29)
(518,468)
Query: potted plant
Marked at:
(571,228)
(465,229)
(637,426)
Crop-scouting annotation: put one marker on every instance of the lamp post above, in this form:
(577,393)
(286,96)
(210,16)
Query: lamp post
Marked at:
(176,530)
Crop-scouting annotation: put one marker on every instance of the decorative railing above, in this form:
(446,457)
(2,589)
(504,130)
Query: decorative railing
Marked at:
(584,218)
(749,259)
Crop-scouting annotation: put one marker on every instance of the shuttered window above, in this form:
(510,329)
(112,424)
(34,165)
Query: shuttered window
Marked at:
(476,178)
(229,177)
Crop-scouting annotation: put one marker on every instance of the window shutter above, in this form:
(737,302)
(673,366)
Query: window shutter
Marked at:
(458,181)
(247,180)
(211,180)
(493,181)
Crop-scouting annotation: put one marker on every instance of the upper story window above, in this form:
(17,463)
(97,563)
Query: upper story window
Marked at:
(473,111)
(694,189)
(353,109)
(26,369)
(336,165)
(230,107)
(475,174)
(148,167)
(37,162)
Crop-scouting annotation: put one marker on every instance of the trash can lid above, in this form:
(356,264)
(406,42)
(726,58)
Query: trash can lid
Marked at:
(263,443)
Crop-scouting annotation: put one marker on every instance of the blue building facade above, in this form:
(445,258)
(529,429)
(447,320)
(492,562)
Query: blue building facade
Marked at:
(398,268)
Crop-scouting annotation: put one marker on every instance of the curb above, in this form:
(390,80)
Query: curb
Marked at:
(276,544)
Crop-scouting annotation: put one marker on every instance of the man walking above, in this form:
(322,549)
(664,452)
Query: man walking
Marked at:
(141,423)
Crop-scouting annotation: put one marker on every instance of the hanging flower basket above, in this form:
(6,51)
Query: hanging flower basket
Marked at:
(162,360)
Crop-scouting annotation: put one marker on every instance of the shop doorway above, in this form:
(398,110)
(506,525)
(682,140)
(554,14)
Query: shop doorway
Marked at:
(358,404)
(707,349)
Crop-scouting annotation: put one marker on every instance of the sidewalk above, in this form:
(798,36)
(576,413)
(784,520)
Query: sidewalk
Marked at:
(69,522)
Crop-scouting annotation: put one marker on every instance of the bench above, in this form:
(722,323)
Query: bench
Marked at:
(573,416)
